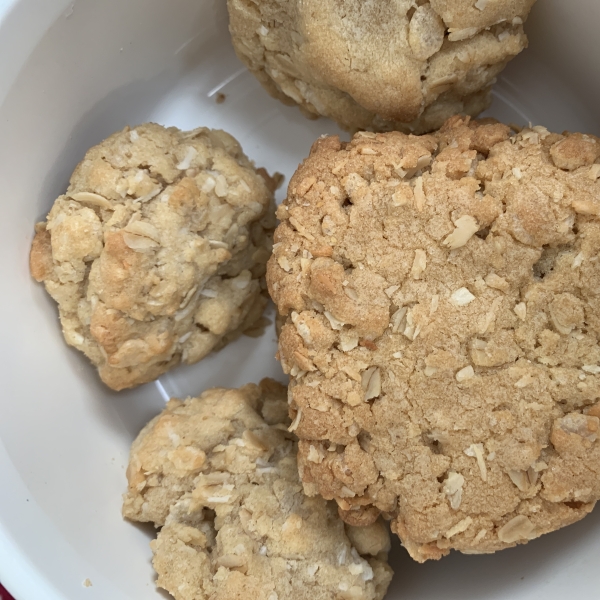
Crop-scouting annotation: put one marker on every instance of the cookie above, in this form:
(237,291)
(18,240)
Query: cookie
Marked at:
(171,450)
(380,65)
(219,474)
(156,253)
(442,303)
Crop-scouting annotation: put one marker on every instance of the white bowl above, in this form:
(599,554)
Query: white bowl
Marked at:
(72,73)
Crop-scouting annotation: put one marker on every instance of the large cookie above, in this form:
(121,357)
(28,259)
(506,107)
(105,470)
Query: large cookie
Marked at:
(156,253)
(220,473)
(380,65)
(442,296)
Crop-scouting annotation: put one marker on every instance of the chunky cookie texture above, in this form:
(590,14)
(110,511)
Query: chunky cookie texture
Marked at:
(220,473)
(442,303)
(156,253)
(380,66)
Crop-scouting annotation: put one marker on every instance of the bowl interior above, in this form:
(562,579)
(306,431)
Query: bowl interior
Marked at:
(77,73)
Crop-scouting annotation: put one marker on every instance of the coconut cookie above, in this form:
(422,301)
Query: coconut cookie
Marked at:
(220,472)
(380,65)
(156,253)
(442,302)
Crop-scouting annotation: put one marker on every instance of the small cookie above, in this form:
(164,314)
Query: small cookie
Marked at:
(156,254)
(223,481)
(442,302)
(380,65)
(171,450)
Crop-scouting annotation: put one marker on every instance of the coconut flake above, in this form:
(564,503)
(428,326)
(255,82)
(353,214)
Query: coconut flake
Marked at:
(525,381)
(419,264)
(230,561)
(351,294)
(184,338)
(398,318)
(218,244)
(92,199)
(312,570)
(476,451)
(520,479)
(371,382)
(453,488)
(578,260)
(218,499)
(314,455)
(143,228)
(296,421)
(139,243)
(190,154)
(465,374)
(419,194)
(465,228)
(335,323)
(521,310)
(435,303)
(518,528)
(460,527)
(586,207)
(461,297)
(594,172)
(457,35)
(348,340)
(479,536)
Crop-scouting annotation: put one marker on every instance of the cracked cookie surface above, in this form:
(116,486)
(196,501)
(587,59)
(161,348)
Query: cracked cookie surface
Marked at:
(156,253)
(379,65)
(219,474)
(442,306)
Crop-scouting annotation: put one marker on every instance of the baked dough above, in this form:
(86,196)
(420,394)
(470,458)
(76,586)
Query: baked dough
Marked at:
(156,253)
(220,472)
(380,66)
(442,304)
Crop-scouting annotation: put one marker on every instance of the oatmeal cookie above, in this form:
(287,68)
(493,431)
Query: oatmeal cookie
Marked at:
(379,65)
(442,302)
(220,473)
(156,253)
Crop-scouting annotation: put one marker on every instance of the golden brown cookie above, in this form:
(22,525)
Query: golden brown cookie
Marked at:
(379,65)
(223,479)
(442,302)
(156,253)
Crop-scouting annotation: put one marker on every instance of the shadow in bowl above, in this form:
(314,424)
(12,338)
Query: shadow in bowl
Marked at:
(521,572)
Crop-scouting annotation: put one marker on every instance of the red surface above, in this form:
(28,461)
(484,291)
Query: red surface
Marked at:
(4,595)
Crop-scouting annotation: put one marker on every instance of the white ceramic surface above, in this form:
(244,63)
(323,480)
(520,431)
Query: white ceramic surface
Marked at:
(71,73)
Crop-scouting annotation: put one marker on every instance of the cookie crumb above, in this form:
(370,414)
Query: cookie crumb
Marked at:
(87,583)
